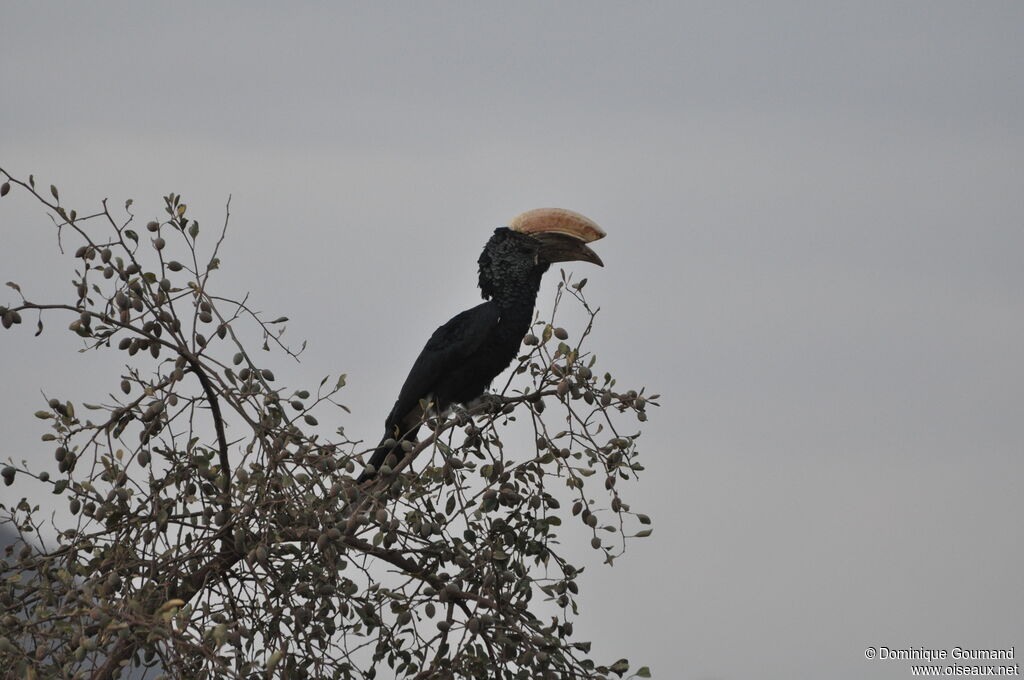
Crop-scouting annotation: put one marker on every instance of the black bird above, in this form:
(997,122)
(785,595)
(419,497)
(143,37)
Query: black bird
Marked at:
(464,355)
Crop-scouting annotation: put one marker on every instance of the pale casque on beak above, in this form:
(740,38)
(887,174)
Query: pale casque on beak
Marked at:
(563,234)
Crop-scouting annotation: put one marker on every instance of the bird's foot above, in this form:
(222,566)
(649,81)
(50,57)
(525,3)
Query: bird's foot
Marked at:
(460,414)
(487,403)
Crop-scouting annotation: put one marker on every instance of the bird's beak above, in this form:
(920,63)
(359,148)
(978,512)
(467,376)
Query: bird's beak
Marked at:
(563,234)
(562,248)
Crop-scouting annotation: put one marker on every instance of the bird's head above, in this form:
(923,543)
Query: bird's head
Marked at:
(533,241)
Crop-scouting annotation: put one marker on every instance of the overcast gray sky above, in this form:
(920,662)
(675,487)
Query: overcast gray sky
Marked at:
(816,224)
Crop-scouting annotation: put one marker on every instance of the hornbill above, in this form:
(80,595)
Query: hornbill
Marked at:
(464,355)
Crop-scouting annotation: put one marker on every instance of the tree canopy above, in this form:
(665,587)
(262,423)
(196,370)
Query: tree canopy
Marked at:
(213,525)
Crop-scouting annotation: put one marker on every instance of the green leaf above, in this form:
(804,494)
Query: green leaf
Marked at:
(644,671)
(132,235)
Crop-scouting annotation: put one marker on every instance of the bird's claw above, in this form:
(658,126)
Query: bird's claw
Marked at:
(460,414)
(487,403)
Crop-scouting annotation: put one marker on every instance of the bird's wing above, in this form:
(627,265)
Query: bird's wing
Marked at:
(447,348)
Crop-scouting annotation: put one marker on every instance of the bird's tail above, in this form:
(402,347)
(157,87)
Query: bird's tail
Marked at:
(390,454)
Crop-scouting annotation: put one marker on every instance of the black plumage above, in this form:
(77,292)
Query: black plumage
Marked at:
(464,355)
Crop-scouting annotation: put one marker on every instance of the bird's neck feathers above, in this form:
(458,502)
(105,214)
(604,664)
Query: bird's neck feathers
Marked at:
(511,270)
(514,292)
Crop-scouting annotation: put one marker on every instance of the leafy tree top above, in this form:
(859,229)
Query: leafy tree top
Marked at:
(217,531)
